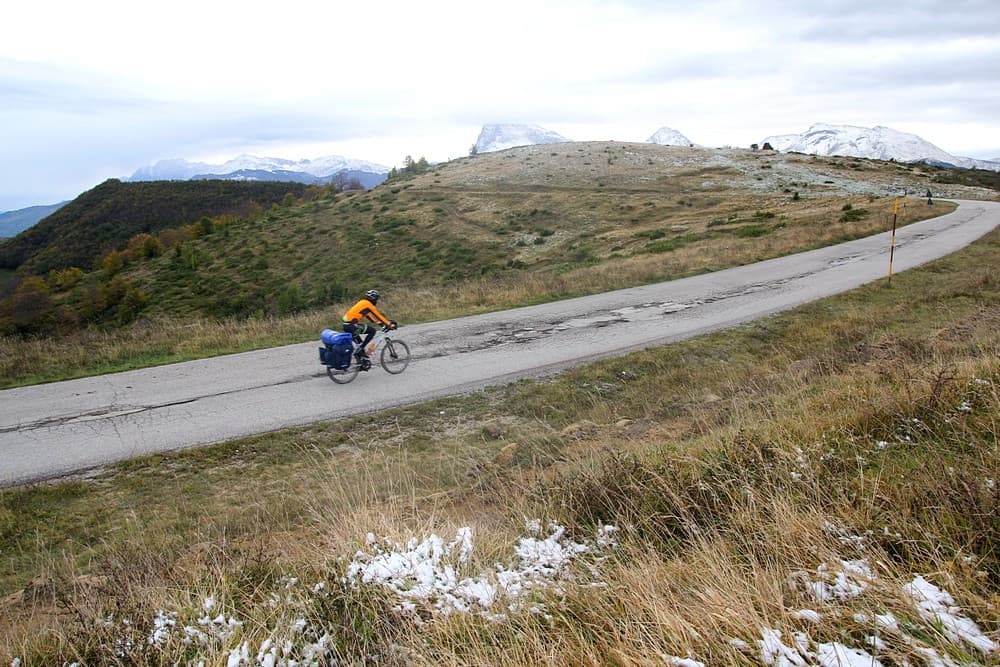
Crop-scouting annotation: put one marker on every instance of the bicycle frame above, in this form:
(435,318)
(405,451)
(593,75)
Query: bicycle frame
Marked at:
(377,342)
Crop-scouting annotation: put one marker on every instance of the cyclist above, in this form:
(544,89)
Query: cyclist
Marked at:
(355,324)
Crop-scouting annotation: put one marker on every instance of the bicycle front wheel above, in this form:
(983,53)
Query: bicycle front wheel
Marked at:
(395,356)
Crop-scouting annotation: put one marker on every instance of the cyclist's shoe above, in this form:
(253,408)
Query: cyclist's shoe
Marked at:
(361,354)
(366,365)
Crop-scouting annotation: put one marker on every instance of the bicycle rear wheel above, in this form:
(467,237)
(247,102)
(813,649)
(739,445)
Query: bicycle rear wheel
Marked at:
(395,356)
(344,376)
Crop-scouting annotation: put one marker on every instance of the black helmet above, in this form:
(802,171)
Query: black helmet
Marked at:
(372,295)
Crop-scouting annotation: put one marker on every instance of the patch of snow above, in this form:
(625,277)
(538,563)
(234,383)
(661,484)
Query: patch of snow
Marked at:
(426,573)
(938,607)
(850,580)
(838,655)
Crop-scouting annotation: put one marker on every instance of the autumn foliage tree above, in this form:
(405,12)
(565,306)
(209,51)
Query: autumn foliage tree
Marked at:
(66,279)
(112,263)
(29,309)
(144,246)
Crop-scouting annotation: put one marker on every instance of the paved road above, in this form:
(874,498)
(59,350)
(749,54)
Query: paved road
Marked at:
(55,429)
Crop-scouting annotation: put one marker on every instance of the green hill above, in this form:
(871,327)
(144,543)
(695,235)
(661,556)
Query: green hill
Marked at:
(107,216)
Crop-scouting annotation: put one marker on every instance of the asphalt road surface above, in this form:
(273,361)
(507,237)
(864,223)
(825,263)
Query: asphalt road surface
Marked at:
(56,429)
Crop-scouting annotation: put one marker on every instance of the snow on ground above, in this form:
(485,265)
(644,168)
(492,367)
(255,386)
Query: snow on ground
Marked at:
(938,608)
(836,582)
(430,579)
(425,574)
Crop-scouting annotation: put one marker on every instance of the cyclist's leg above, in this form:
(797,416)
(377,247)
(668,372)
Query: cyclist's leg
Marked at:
(356,331)
(369,333)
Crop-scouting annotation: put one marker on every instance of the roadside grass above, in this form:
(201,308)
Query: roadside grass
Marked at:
(735,466)
(579,270)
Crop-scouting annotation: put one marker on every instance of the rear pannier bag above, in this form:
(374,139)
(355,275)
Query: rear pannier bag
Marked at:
(337,350)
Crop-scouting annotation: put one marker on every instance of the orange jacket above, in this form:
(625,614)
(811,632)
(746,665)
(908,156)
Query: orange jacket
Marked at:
(364,308)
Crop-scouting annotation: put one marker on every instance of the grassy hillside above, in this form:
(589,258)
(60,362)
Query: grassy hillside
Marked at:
(106,217)
(971,177)
(818,487)
(491,231)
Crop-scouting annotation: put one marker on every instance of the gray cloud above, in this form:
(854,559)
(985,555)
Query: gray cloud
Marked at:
(839,22)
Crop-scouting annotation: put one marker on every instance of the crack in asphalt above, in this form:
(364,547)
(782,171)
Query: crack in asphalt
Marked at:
(516,333)
(110,412)
(113,410)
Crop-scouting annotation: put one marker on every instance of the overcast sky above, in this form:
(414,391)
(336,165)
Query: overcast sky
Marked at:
(95,90)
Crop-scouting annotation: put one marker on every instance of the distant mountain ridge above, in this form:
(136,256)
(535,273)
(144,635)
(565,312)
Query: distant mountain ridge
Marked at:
(328,169)
(13,223)
(344,178)
(877,143)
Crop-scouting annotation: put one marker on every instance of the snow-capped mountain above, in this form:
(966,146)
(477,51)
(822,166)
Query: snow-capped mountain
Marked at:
(667,136)
(878,143)
(251,167)
(497,137)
